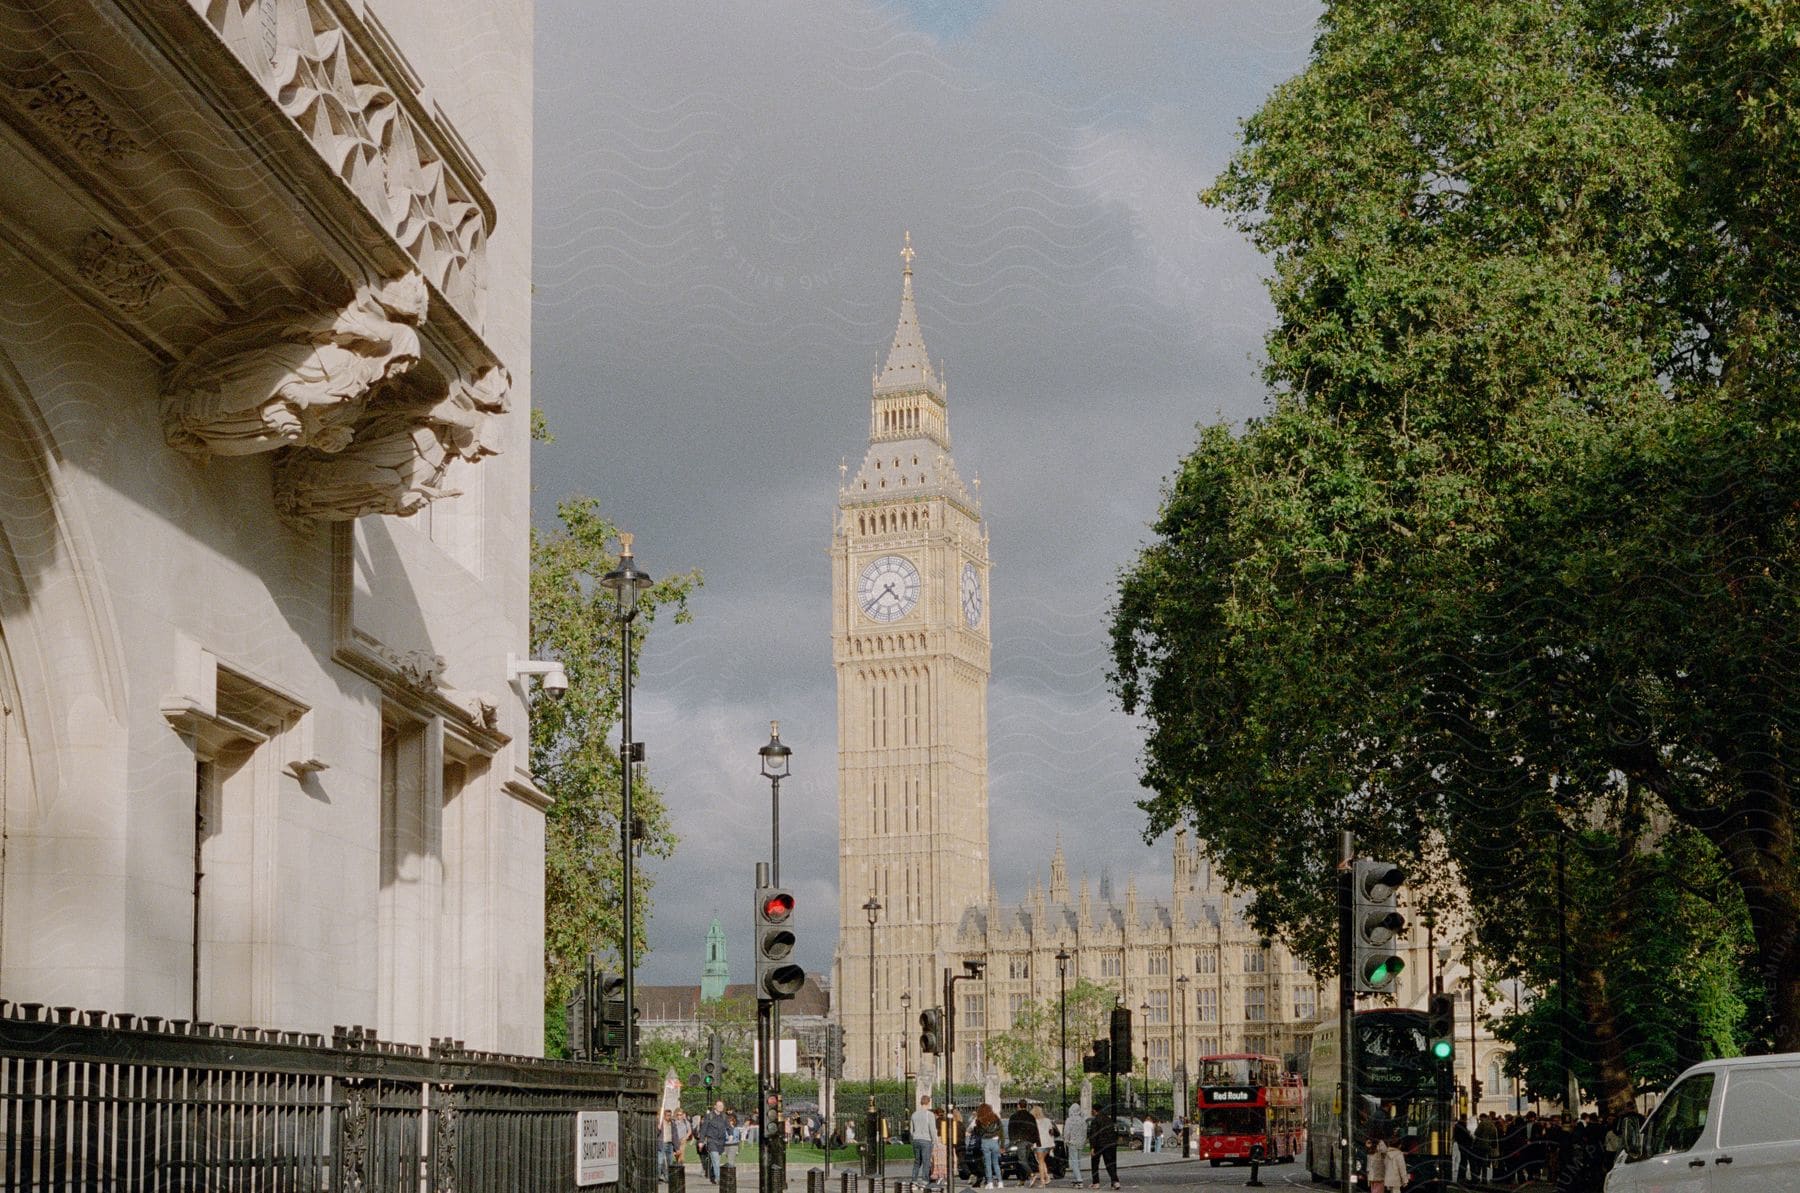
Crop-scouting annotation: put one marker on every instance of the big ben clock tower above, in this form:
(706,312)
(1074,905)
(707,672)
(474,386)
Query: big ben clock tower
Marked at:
(910,638)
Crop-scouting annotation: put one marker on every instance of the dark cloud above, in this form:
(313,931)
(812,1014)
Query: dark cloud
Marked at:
(721,193)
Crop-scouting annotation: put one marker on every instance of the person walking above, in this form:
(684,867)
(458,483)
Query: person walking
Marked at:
(733,1140)
(713,1134)
(987,1133)
(1103,1142)
(1075,1138)
(1378,1167)
(1046,1142)
(684,1130)
(924,1136)
(665,1144)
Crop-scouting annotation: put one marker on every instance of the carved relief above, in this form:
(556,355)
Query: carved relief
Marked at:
(118,271)
(399,458)
(59,104)
(417,669)
(287,382)
(445,1139)
(354,117)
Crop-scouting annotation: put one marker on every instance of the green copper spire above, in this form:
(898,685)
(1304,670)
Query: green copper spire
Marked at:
(715,974)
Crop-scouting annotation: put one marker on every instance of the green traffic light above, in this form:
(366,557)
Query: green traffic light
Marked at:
(1442,1049)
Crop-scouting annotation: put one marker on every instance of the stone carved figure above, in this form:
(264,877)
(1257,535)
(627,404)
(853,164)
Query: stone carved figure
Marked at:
(399,457)
(295,383)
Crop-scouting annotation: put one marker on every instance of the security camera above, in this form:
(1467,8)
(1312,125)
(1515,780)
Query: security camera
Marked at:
(556,681)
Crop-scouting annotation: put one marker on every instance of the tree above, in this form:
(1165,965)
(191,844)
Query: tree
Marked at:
(574,752)
(1027,1050)
(1512,554)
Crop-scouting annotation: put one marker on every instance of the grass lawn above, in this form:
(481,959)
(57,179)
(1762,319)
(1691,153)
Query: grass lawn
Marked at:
(805,1155)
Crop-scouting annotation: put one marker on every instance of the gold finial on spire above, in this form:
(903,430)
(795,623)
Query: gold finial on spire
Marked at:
(907,254)
(625,544)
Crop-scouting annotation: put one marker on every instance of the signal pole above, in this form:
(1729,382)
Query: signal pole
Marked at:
(1346,1016)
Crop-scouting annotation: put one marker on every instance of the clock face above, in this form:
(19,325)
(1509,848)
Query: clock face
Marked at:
(889,588)
(971,595)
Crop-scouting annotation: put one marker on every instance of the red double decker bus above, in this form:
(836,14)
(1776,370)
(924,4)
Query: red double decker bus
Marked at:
(1248,1106)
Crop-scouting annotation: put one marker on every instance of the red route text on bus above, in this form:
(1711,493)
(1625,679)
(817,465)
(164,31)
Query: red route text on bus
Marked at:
(1245,1104)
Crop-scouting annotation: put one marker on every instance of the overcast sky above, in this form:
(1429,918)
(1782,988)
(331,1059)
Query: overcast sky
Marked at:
(721,195)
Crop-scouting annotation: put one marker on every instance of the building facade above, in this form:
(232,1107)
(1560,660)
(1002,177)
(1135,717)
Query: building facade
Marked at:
(1241,993)
(911,645)
(264,501)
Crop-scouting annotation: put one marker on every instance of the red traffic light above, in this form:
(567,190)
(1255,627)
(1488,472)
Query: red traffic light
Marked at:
(777,907)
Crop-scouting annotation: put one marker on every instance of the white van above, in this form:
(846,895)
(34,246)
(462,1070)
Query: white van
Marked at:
(1726,1126)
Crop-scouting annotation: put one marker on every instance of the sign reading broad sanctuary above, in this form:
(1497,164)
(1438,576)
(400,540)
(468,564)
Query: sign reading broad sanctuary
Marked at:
(596,1147)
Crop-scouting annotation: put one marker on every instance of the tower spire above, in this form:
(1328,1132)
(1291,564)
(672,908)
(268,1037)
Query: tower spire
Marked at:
(908,369)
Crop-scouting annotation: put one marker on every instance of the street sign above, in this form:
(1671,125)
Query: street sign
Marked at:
(596,1147)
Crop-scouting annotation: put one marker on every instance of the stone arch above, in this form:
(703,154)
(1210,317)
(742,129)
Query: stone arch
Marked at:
(56,622)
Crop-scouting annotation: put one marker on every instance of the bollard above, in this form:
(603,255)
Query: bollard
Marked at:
(815,1180)
(727,1178)
(677,1177)
(848,1183)
(1256,1159)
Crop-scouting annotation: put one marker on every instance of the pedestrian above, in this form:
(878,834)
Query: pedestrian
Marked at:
(1465,1150)
(684,1130)
(733,1140)
(1395,1172)
(924,1136)
(1103,1142)
(712,1136)
(1378,1167)
(1075,1138)
(987,1133)
(1046,1141)
(1487,1141)
(1149,1129)
(665,1144)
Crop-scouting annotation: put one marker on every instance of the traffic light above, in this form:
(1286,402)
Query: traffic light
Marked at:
(1441,1027)
(609,996)
(1475,1092)
(1375,923)
(712,1070)
(1121,1040)
(834,1050)
(931,1031)
(777,977)
(1100,1059)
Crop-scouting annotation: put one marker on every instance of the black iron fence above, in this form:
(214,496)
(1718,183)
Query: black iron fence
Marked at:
(101,1102)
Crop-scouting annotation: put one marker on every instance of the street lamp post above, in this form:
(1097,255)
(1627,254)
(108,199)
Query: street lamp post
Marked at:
(905,1046)
(1187,1100)
(625,582)
(874,1151)
(1145,1008)
(1062,1044)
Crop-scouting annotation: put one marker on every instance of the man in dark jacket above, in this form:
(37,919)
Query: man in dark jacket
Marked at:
(1103,1143)
(714,1133)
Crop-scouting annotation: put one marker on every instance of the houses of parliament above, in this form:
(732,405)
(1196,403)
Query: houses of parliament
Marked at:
(911,644)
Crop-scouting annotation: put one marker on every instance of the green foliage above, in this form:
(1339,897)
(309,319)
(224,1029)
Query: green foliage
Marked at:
(574,751)
(1512,554)
(1027,1051)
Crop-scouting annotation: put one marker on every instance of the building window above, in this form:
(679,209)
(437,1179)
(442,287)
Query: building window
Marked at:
(1159,1059)
(1305,1002)
(1255,961)
(1256,1043)
(974,1011)
(1255,1004)
(1157,965)
(1014,1003)
(1159,1007)
(1206,961)
(1018,966)
(1111,966)
(1206,1006)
